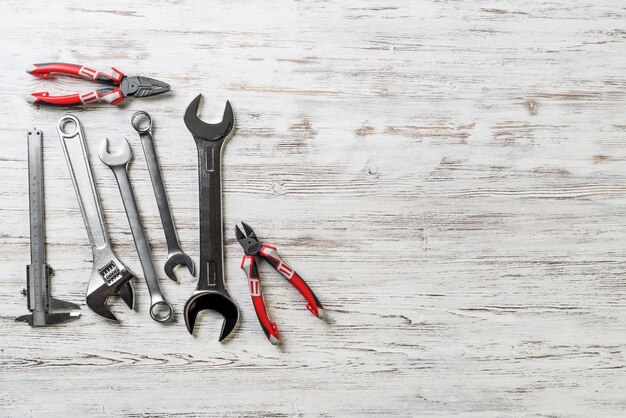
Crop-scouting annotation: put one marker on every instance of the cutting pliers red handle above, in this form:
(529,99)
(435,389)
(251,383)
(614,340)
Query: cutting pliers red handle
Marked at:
(249,266)
(252,248)
(111,95)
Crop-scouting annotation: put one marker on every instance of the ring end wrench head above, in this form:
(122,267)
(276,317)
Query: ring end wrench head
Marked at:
(161,311)
(224,305)
(141,121)
(178,259)
(121,157)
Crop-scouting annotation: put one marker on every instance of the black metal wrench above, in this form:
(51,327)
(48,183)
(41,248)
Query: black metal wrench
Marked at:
(210,293)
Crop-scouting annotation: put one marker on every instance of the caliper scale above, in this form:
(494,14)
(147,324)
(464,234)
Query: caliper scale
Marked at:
(45,310)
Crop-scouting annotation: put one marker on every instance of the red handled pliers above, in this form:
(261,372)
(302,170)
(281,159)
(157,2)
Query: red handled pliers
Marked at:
(120,85)
(252,247)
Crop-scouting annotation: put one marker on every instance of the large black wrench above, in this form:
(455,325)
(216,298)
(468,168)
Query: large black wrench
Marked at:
(210,292)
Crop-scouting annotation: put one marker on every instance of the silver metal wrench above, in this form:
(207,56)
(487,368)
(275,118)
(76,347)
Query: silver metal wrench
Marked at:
(142,123)
(160,309)
(109,277)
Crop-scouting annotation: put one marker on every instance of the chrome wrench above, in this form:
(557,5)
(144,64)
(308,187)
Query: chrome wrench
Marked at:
(160,310)
(109,277)
(142,123)
(45,310)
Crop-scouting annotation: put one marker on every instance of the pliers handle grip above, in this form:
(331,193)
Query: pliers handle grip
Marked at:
(270,254)
(111,95)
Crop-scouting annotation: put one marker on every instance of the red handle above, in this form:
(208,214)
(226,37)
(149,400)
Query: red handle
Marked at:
(248,265)
(270,254)
(113,77)
(111,95)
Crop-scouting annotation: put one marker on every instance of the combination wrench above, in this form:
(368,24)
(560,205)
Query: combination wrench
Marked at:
(160,310)
(109,276)
(142,123)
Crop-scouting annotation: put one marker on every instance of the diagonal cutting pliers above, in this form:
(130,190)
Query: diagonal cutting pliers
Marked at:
(253,247)
(118,87)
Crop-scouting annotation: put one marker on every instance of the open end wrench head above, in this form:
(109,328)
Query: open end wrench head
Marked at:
(178,259)
(215,301)
(208,131)
(121,157)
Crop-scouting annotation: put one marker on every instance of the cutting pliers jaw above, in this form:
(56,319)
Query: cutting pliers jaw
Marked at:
(248,241)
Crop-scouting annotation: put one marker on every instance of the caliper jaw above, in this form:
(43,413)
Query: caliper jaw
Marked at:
(45,310)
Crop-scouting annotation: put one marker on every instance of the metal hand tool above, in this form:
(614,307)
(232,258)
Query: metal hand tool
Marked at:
(160,310)
(45,310)
(210,293)
(253,247)
(109,276)
(121,86)
(142,123)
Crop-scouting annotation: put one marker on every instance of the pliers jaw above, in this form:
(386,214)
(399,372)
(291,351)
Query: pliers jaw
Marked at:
(138,86)
(248,241)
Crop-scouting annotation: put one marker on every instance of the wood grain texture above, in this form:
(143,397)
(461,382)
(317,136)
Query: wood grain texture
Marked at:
(448,176)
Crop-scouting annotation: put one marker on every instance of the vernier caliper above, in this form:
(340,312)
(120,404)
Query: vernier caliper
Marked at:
(45,310)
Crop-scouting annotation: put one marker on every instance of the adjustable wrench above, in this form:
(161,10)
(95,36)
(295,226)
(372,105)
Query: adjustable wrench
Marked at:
(210,292)
(45,310)
(160,310)
(109,276)
(142,123)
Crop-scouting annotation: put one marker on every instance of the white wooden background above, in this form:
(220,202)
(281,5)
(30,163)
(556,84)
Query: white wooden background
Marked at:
(448,176)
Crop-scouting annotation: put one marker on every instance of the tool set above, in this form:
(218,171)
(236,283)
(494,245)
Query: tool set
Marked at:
(109,276)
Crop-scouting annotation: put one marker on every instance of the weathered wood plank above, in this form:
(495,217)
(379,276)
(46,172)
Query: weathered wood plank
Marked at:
(448,176)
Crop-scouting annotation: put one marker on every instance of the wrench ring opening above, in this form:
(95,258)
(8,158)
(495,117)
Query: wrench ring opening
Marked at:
(141,121)
(68,125)
(161,311)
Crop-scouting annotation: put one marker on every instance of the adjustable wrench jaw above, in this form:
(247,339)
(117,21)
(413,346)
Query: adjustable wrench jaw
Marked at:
(109,277)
